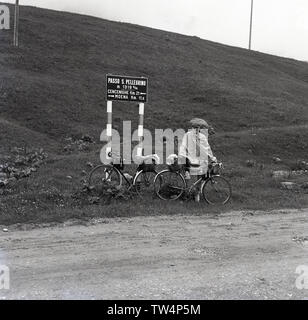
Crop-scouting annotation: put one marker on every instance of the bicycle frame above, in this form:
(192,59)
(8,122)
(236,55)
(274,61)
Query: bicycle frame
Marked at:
(182,188)
(130,182)
(139,177)
(202,180)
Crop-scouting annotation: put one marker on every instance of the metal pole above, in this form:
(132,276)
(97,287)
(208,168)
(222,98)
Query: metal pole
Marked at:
(251,24)
(251,21)
(16,24)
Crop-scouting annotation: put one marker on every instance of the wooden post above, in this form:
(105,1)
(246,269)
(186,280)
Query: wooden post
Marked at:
(109,128)
(140,129)
(16,24)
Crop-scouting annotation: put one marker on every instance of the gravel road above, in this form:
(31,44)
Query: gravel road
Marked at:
(236,255)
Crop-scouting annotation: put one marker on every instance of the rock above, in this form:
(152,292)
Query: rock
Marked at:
(288,185)
(25,173)
(83,146)
(300,165)
(300,239)
(305,186)
(5,230)
(38,163)
(262,166)
(19,161)
(280,174)
(16,175)
(3,183)
(90,164)
(3,175)
(94,200)
(87,138)
(277,160)
(303,165)
(90,188)
(69,177)
(251,163)
(11,180)
(298,172)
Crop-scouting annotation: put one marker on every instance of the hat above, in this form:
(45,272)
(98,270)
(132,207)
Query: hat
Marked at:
(199,123)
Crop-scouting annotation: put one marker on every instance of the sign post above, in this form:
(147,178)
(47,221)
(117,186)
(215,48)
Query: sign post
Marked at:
(109,128)
(130,89)
(140,129)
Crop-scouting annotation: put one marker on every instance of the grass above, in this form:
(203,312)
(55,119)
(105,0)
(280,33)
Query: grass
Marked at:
(47,196)
(53,87)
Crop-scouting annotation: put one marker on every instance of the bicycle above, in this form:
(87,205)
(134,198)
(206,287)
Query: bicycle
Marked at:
(170,184)
(112,176)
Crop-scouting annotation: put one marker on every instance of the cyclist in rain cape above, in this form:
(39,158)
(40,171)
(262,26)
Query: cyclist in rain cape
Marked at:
(195,150)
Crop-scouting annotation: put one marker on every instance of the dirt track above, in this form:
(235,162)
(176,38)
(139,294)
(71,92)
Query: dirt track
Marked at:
(236,255)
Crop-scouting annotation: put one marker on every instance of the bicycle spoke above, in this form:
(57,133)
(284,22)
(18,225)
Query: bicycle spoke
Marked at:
(217,190)
(169,185)
(104,177)
(144,183)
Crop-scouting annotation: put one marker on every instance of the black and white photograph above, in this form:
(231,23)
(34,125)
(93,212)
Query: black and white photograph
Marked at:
(153,151)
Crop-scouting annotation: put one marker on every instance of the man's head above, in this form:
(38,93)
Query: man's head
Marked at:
(200,124)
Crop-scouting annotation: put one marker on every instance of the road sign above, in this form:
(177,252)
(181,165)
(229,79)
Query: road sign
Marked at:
(122,88)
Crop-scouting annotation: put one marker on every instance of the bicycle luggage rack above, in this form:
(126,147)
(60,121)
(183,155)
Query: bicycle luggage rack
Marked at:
(147,167)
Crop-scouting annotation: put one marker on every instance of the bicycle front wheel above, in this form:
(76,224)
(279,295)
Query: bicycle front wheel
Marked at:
(104,176)
(144,183)
(169,185)
(217,190)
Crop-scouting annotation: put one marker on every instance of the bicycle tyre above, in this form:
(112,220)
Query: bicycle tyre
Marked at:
(144,182)
(217,190)
(104,175)
(166,191)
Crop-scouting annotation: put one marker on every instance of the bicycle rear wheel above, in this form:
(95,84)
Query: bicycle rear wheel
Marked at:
(217,190)
(169,185)
(104,176)
(144,183)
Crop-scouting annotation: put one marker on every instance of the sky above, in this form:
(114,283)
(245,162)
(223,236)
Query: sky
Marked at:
(280,26)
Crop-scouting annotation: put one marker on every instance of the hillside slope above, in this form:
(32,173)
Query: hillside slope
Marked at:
(53,88)
(54,84)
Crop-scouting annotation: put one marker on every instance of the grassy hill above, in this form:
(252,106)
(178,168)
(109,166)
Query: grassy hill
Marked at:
(53,87)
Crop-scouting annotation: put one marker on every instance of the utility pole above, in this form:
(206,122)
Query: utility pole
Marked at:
(16,24)
(251,20)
